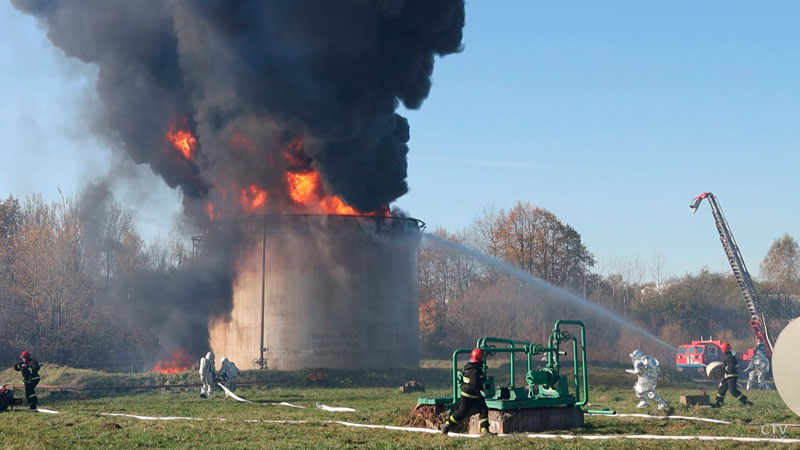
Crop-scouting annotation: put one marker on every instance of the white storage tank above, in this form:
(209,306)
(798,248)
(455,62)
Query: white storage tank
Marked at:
(335,291)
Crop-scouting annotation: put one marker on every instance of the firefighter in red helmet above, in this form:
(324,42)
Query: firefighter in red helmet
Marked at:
(731,377)
(471,400)
(30,376)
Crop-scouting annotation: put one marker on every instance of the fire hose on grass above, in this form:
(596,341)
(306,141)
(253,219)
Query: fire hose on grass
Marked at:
(465,435)
(229,393)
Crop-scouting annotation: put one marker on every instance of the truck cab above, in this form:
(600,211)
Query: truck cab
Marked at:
(692,359)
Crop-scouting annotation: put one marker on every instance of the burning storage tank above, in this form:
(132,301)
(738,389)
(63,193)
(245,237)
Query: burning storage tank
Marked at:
(323,291)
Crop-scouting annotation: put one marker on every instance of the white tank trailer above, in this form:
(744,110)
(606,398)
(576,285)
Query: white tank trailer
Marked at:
(314,291)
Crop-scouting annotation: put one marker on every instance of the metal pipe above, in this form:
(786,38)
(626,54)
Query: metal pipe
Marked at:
(455,370)
(583,357)
(600,411)
(575,365)
(482,342)
(263,286)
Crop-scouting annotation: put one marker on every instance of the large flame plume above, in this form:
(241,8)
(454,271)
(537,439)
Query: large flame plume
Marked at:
(300,189)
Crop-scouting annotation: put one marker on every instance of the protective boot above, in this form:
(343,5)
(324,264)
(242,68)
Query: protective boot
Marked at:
(445,428)
(485,428)
(642,404)
(745,401)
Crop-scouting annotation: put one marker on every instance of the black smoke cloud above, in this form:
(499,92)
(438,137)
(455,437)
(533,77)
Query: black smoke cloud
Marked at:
(247,78)
(331,71)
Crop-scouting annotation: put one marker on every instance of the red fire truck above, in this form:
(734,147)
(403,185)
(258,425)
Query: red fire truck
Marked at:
(692,358)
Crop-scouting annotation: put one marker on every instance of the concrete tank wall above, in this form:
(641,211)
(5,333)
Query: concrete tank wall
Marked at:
(340,292)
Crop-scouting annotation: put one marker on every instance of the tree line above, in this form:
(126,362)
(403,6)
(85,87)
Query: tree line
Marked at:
(67,280)
(462,300)
(71,286)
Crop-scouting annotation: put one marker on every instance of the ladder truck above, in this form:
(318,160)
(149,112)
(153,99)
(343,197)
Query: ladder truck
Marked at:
(757,321)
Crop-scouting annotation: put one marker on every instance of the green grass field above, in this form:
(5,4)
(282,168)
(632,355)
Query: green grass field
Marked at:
(81,422)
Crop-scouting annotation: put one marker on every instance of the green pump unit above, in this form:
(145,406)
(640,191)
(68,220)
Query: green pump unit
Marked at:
(544,387)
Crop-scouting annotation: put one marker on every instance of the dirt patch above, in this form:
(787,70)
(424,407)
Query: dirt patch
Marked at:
(431,416)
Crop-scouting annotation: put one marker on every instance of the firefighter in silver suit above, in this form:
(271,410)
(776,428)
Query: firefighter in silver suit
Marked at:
(647,371)
(228,372)
(759,366)
(207,375)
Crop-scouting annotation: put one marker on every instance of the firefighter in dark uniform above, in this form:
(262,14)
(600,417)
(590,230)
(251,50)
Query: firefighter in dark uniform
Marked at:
(471,400)
(731,377)
(30,376)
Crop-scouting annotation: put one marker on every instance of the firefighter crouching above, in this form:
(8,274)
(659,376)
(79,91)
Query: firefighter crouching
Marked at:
(471,400)
(30,377)
(731,377)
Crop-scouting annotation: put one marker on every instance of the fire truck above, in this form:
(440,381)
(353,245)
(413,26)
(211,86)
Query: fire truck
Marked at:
(692,358)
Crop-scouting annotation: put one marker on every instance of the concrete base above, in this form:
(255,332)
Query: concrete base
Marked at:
(530,420)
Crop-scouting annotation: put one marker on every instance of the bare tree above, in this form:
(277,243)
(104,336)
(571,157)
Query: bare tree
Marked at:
(444,275)
(657,263)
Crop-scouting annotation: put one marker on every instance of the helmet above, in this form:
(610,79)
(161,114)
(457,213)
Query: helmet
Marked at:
(25,354)
(223,360)
(636,354)
(476,355)
(210,355)
(725,347)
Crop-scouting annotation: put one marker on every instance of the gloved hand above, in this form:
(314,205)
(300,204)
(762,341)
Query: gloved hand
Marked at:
(630,371)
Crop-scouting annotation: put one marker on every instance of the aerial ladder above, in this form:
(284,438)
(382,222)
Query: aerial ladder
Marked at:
(757,321)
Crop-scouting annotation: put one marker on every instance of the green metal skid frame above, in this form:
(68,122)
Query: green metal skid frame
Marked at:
(544,387)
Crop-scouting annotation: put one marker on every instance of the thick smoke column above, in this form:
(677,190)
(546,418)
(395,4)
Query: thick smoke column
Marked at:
(255,106)
(248,77)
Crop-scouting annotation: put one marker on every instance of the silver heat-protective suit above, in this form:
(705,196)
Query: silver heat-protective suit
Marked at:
(207,375)
(647,372)
(758,368)
(228,372)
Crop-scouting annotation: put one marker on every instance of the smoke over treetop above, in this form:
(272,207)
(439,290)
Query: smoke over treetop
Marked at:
(267,87)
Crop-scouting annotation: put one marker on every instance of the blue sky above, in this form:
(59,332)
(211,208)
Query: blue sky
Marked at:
(612,115)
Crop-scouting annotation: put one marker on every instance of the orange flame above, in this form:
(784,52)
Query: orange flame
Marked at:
(302,185)
(182,140)
(335,205)
(210,211)
(178,362)
(304,190)
(253,197)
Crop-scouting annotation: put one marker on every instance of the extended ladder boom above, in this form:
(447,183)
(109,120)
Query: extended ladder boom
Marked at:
(751,299)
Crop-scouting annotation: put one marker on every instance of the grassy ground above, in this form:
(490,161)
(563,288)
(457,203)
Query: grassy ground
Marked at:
(375,396)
